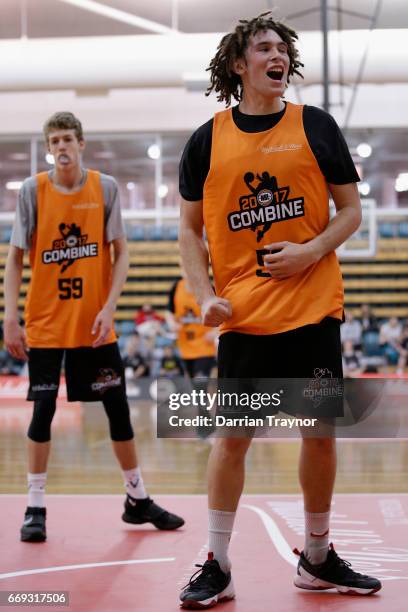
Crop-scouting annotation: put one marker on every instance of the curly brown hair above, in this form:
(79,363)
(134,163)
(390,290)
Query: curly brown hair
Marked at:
(63,121)
(223,79)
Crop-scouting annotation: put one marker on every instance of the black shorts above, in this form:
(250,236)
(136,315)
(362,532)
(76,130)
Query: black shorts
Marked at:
(90,373)
(310,352)
(297,353)
(200,367)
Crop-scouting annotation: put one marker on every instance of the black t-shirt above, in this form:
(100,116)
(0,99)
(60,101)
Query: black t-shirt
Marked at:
(322,132)
(172,364)
(351,361)
(404,342)
(170,304)
(135,361)
(370,324)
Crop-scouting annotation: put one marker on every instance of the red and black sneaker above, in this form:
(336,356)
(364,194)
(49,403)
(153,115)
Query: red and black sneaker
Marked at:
(334,573)
(207,587)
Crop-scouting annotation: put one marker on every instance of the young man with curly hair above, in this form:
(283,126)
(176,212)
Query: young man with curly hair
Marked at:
(69,219)
(258,177)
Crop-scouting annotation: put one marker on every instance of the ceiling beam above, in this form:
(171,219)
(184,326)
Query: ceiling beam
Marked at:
(122,16)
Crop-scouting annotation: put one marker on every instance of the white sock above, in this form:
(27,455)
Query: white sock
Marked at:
(36,489)
(220,525)
(316,536)
(134,483)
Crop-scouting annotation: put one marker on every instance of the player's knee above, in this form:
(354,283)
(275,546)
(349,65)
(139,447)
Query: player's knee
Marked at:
(233,448)
(121,432)
(320,445)
(118,413)
(40,427)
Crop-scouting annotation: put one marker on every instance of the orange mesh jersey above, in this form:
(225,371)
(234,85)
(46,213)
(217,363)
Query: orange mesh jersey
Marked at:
(71,266)
(262,188)
(192,342)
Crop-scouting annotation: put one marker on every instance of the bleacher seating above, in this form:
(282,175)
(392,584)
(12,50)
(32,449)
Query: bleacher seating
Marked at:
(151,232)
(5,234)
(388,230)
(403,229)
(371,344)
(381,281)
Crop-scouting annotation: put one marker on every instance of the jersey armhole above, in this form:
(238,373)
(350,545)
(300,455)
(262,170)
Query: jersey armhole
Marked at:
(309,145)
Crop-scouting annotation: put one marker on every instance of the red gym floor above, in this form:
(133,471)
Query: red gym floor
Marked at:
(109,566)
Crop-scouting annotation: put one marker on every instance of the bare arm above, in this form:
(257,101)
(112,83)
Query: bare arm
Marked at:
(171,321)
(294,258)
(194,254)
(119,271)
(195,260)
(14,335)
(344,224)
(104,319)
(383,337)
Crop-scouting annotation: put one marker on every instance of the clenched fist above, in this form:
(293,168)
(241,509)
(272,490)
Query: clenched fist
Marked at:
(215,310)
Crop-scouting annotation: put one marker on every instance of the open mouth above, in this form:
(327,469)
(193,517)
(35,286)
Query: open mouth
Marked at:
(276,74)
(64,159)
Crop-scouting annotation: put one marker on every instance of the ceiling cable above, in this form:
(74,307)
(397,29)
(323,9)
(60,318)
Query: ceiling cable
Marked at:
(373,24)
(23,19)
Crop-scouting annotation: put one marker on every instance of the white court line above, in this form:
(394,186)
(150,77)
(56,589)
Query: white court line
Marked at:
(63,568)
(275,534)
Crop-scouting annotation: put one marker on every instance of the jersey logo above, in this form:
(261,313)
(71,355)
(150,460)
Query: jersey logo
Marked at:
(267,203)
(44,387)
(281,148)
(72,245)
(107,378)
(323,387)
(188,316)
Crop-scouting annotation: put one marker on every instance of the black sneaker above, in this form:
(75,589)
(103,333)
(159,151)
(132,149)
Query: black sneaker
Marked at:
(146,511)
(211,586)
(334,573)
(33,529)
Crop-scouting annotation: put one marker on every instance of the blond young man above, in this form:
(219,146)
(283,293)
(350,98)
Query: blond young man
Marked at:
(68,219)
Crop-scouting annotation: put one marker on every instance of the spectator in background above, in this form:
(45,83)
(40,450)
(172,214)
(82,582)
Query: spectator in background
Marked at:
(351,330)
(402,347)
(170,363)
(146,313)
(135,362)
(390,340)
(9,366)
(351,360)
(154,330)
(369,321)
(156,335)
